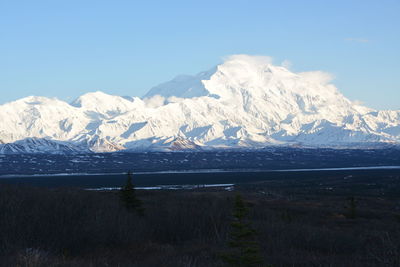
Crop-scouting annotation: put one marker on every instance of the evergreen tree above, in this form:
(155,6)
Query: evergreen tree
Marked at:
(128,196)
(351,208)
(245,251)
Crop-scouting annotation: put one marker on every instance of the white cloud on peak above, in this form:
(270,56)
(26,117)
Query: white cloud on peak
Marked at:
(154,101)
(317,76)
(249,58)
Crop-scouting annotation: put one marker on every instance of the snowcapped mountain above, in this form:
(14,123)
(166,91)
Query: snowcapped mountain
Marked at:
(41,145)
(244,102)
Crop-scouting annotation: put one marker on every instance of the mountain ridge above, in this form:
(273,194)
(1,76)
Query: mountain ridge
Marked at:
(244,102)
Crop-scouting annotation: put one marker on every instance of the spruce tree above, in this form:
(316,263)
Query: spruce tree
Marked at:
(351,208)
(128,196)
(244,249)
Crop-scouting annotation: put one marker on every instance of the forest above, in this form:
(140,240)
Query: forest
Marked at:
(301,221)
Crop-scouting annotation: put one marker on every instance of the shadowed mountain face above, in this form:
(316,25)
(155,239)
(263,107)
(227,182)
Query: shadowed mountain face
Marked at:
(244,102)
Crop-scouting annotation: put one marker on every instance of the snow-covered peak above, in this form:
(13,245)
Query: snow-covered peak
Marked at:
(90,100)
(103,103)
(236,67)
(258,88)
(241,75)
(183,86)
(257,76)
(246,66)
(34,100)
(245,101)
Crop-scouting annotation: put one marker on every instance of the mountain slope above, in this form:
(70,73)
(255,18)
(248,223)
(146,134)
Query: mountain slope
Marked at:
(37,145)
(244,102)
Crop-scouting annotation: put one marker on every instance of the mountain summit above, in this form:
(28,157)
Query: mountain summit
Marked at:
(244,102)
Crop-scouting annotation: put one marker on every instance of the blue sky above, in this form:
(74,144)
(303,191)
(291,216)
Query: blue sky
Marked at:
(67,48)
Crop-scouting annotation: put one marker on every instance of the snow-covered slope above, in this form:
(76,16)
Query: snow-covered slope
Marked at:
(38,145)
(244,102)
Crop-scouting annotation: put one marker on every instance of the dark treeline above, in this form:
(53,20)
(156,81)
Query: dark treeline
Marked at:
(74,227)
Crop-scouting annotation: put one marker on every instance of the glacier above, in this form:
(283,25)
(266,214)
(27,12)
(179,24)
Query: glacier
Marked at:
(245,102)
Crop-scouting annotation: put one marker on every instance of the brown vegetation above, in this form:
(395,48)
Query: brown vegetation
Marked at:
(73,227)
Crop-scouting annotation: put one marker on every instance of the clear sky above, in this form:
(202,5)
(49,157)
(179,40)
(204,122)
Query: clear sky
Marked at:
(66,48)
